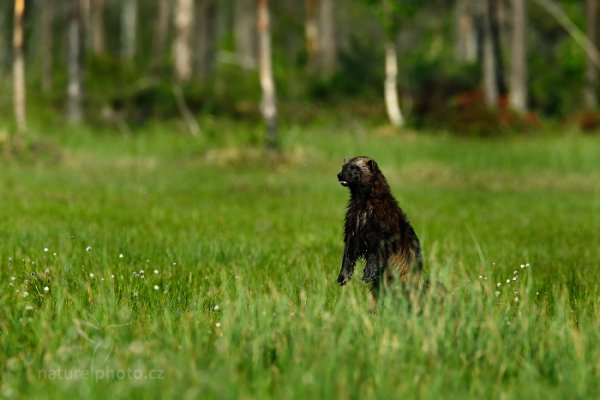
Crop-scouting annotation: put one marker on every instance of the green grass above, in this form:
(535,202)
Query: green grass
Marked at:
(247,247)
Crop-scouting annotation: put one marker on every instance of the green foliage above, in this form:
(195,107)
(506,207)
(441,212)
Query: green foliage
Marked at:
(393,13)
(359,73)
(246,248)
(424,31)
(447,96)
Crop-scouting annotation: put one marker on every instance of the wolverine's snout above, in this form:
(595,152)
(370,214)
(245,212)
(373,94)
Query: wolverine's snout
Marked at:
(342,180)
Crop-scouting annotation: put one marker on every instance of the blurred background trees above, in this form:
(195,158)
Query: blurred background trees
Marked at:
(469,66)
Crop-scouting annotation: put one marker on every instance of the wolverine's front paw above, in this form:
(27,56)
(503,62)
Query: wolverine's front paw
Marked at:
(369,275)
(343,278)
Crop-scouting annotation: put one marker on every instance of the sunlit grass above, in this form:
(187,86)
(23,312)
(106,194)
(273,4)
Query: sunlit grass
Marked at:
(159,265)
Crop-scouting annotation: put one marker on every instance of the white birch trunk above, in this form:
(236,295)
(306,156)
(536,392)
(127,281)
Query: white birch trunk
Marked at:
(490,87)
(19,67)
(268,104)
(182,46)
(74,89)
(327,47)
(129,29)
(390,90)
(518,68)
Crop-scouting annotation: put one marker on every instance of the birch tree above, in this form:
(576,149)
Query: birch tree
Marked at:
(267,84)
(490,65)
(19,67)
(518,67)
(392,104)
(320,36)
(466,35)
(182,46)
(74,61)
(129,17)
(391,14)
(326,31)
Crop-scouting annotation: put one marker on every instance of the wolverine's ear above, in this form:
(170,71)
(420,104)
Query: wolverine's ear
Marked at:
(372,164)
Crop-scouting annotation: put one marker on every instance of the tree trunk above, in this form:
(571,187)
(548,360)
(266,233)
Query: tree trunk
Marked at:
(391,94)
(205,53)
(244,29)
(182,47)
(75,40)
(490,87)
(129,29)
(591,75)
(466,35)
(97,27)
(311,32)
(327,47)
(494,21)
(19,67)
(268,105)
(518,67)
(161,31)
(47,47)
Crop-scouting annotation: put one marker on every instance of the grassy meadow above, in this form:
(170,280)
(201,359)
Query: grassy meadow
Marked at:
(158,265)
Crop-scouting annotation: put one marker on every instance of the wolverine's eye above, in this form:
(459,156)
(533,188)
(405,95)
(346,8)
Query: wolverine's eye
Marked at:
(354,168)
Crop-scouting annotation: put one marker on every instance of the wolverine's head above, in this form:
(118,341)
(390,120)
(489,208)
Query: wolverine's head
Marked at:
(358,171)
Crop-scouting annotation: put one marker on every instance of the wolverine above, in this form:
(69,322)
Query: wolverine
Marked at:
(376,230)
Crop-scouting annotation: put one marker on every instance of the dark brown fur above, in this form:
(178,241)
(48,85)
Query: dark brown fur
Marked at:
(376,229)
